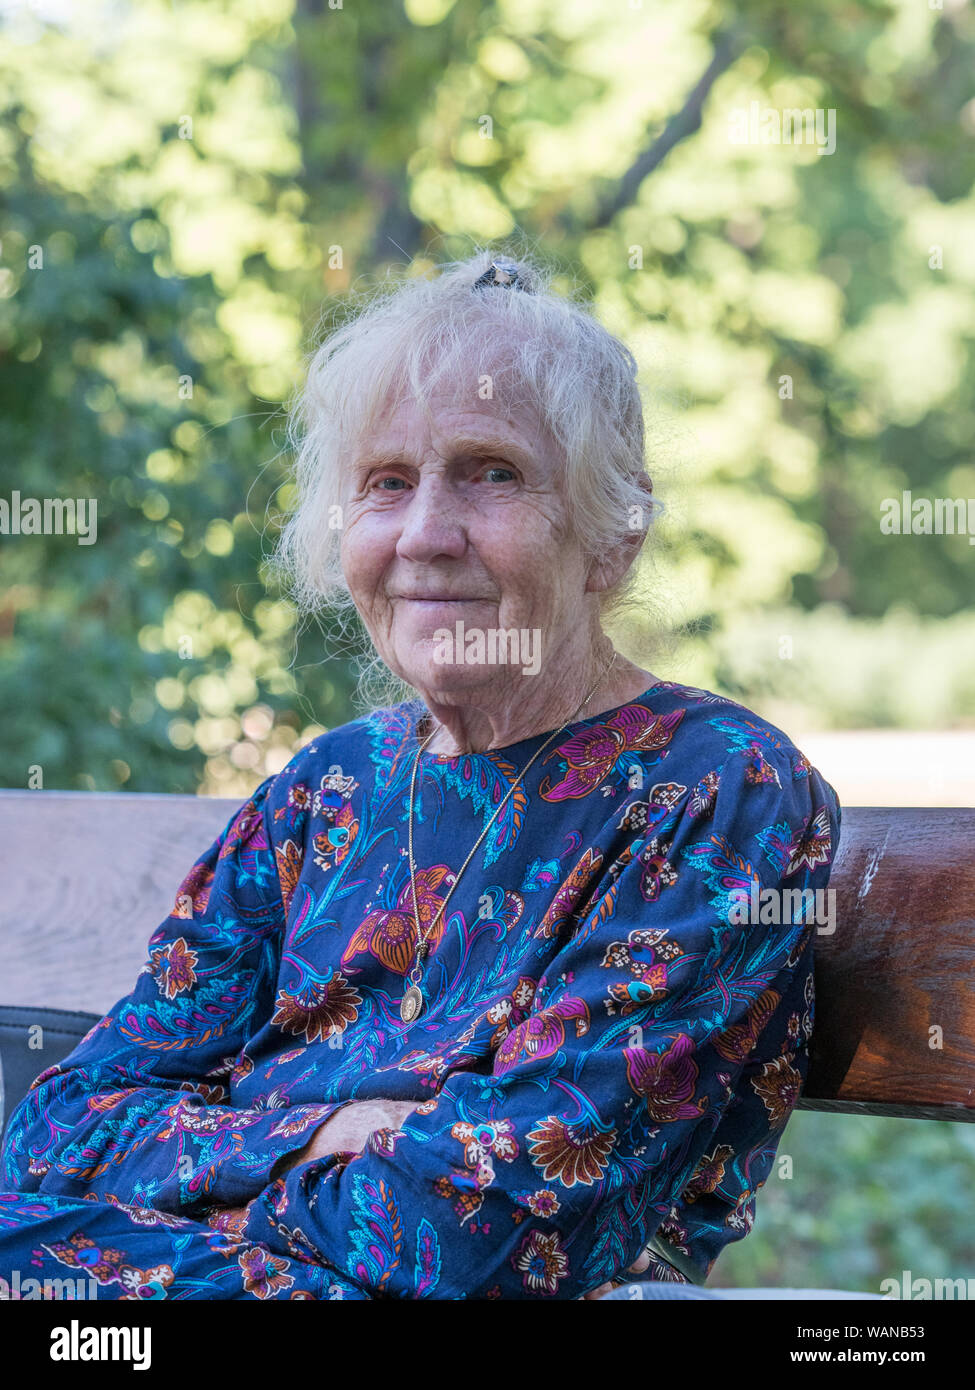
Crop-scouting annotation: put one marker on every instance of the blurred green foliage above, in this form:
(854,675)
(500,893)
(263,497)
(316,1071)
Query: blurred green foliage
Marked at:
(202,179)
(866,1199)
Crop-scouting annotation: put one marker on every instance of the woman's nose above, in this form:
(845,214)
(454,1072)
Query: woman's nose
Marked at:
(433,523)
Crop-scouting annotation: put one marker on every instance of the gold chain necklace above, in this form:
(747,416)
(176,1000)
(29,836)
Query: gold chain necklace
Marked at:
(412,1001)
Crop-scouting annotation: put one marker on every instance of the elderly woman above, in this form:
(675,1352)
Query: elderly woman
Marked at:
(471,1000)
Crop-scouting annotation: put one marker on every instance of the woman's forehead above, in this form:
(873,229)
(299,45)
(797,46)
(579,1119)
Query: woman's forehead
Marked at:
(455,421)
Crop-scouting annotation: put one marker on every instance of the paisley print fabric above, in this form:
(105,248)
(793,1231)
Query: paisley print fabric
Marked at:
(611,1043)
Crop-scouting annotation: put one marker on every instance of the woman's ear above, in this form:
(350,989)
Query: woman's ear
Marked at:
(608,570)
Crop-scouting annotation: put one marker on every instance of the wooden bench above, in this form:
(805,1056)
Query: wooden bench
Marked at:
(89,876)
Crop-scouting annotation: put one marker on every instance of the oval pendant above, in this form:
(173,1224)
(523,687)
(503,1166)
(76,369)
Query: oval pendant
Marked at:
(411,1004)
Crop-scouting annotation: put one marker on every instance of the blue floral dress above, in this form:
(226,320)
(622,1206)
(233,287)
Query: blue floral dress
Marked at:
(618,1004)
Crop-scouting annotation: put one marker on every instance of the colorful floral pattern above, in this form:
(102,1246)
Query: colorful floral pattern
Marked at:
(604,1049)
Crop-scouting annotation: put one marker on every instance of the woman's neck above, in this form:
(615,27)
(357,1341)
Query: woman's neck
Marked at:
(475,727)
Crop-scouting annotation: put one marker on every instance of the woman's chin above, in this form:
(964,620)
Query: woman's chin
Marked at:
(447,682)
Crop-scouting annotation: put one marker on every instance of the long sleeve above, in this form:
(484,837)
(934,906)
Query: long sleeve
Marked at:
(136,1110)
(546,1175)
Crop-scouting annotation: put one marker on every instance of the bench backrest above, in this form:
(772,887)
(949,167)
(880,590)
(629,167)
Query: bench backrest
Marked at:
(89,876)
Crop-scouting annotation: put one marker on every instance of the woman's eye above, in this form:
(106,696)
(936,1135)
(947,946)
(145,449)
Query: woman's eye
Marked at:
(501,468)
(383,481)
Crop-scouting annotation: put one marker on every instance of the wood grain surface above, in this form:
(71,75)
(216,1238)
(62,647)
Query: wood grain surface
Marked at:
(88,877)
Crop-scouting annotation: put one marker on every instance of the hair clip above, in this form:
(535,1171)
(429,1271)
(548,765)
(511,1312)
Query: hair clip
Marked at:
(503,273)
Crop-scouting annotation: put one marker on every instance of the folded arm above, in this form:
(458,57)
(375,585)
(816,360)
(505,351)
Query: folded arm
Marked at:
(138,1108)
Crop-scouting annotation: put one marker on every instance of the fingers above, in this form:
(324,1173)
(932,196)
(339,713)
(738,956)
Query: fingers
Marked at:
(600,1292)
(641,1263)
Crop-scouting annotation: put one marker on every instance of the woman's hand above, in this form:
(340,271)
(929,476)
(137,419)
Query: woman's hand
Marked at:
(641,1263)
(348,1129)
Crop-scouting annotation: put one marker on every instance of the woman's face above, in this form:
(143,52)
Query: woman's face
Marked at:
(460,519)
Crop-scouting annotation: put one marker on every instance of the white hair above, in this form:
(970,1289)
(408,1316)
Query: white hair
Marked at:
(528,346)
